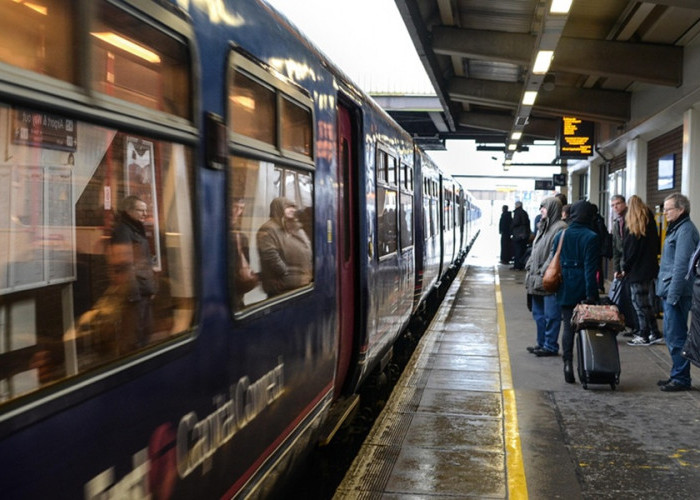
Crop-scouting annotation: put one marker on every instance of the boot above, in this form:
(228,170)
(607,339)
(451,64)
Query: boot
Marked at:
(569,372)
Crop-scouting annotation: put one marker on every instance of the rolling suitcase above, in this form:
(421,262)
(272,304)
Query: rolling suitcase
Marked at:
(598,357)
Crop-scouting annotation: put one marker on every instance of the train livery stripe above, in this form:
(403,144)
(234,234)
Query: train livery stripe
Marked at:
(515,470)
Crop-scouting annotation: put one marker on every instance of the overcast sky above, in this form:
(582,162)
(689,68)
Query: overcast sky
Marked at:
(368,40)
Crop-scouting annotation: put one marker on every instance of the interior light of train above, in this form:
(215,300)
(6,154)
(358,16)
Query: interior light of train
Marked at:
(122,43)
(542,62)
(41,9)
(560,6)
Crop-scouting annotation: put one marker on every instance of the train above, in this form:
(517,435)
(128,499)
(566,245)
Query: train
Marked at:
(292,233)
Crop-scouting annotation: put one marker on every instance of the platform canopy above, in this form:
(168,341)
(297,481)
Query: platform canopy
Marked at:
(480,56)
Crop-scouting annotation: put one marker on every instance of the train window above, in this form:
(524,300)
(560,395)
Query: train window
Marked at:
(138,63)
(271,230)
(381,165)
(253,106)
(40,37)
(406,220)
(387,226)
(296,128)
(97,246)
(391,170)
(407,177)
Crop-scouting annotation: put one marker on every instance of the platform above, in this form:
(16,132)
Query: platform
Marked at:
(476,416)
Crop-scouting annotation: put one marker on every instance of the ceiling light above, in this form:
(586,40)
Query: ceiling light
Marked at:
(512,146)
(560,6)
(542,62)
(128,46)
(529,97)
(516,136)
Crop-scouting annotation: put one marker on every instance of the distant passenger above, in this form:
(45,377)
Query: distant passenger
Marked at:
(579,261)
(285,250)
(244,278)
(545,310)
(521,235)
(640,251)
(675,289)
(565,211)
(504,228)
(130,246)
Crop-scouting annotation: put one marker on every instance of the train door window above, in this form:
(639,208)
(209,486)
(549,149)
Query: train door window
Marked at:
(270,187)
(382,162)
(406,206)
(97,246)
(391,170)
(40,37)
(296,128)
(386,221)
(139,63)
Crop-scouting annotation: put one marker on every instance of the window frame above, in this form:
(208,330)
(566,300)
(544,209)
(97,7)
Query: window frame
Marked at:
(248,148)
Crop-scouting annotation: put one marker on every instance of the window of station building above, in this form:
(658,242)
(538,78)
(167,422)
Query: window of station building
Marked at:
(97,250)
(139,63)
(270,187)
(40,37)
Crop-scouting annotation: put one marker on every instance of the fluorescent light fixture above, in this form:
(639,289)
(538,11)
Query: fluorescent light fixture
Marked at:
(122,43)
(529,97)
(508,161)
(512,146)
(542,62)
(516,136)
(560,6)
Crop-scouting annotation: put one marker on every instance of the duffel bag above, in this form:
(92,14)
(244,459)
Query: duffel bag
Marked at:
(592,316)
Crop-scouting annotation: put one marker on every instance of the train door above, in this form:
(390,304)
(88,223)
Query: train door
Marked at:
(347,222)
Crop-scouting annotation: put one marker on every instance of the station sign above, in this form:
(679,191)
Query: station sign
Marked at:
(576,138)
(543,185)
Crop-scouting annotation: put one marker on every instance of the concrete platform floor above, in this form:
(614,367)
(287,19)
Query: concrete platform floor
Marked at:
(477,416)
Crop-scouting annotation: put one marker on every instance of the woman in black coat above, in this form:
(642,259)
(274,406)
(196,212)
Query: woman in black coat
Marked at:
(504,229)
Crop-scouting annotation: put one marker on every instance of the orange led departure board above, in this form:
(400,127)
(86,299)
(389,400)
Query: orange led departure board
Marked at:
(576,138)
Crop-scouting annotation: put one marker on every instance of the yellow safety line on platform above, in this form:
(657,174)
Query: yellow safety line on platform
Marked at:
(515,470)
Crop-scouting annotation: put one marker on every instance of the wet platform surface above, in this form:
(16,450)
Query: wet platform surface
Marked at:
(477,416)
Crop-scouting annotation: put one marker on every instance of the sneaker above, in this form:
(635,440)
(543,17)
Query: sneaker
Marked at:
(656,339)
(638,340)
(674,386)
(663,382)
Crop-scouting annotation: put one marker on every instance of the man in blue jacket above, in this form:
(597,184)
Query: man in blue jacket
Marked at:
(675,290)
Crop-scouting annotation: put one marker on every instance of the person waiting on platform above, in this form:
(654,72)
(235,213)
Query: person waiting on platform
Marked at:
(244,278)
(285,250)
(640,251)
(675,289)
(504,228)
(521,235)
(545,310)
(579,261)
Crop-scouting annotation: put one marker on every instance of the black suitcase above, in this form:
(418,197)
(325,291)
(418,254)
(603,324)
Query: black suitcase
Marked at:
(598,357)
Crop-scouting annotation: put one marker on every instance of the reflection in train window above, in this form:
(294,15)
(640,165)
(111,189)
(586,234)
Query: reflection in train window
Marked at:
(271,231)
(406,220)
(97,246)
(253,106)
(387,230)
(40,38)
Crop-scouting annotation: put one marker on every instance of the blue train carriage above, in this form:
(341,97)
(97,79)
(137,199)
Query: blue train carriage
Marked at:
(201,372)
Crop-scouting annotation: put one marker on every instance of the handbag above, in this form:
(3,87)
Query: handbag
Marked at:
(607,317)
(552,278)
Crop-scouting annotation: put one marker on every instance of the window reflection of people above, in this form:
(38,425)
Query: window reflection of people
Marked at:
(131,255)
(244,278)
(285,250)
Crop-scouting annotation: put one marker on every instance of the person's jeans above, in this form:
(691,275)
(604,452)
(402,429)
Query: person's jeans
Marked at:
(547,316)
(643,307)
(675,334)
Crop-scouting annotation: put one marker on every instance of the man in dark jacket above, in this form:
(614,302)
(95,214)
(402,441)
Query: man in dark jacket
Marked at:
(133,266)
(521,235)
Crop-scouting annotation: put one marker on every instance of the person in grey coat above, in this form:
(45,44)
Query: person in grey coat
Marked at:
(285,250)
(675,289)
(545,310)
